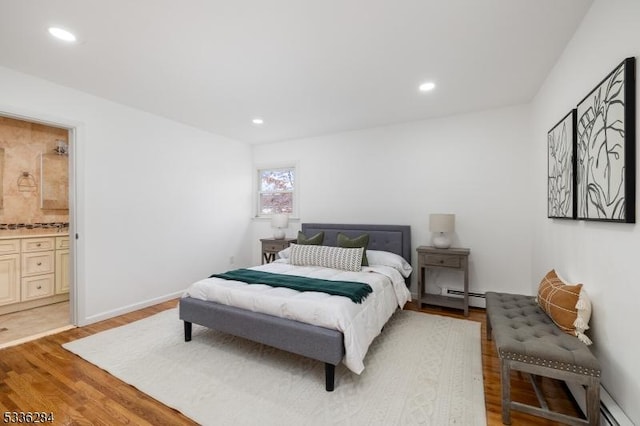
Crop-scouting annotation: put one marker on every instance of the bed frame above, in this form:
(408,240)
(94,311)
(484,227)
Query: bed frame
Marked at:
(319,343)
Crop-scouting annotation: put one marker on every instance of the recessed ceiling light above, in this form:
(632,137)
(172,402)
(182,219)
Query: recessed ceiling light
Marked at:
(257,121)
(62,34)
(426,87)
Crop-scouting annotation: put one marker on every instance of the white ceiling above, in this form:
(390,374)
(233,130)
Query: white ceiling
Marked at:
(307,67)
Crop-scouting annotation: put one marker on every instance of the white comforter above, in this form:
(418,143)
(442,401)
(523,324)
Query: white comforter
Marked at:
(360,323)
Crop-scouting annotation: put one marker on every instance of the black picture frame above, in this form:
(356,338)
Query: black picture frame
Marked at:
(561,168)
(605,151)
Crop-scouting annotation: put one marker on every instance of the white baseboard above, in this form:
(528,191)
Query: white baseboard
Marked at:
(130,308)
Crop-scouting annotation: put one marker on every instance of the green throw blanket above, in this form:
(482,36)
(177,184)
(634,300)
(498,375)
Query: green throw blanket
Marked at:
(353,290)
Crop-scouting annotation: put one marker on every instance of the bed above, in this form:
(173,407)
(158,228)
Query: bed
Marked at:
(321,343)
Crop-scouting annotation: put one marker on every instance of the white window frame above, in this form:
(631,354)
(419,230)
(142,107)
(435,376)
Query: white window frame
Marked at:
(296,186)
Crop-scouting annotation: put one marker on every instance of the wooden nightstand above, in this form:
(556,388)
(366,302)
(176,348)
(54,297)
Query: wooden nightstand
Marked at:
(271,246)
(452,258)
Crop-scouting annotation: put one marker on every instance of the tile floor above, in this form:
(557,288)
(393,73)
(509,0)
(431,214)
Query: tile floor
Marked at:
(23,324)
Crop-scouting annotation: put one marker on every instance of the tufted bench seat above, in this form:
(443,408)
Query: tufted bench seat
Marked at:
(527,340)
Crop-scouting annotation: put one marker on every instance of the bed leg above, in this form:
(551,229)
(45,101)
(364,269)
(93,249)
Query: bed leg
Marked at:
(330,376)
(187,331)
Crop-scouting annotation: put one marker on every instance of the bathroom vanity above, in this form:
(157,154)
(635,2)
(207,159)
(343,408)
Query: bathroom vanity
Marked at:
(34,268)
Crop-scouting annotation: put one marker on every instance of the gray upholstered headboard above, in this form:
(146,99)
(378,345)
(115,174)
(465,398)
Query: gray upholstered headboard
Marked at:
(392,238)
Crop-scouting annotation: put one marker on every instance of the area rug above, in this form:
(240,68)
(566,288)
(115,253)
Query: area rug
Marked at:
(423,369)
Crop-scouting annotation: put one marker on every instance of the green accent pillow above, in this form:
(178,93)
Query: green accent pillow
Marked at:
(361,241)
(316,240)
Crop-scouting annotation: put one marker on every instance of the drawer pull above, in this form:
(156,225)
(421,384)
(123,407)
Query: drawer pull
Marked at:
(39,244)
(39,287)
(39,263)
(441,261)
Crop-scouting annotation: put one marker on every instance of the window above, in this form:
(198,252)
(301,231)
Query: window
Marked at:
(276,190)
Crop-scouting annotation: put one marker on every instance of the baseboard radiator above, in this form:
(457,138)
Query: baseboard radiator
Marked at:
(610,412)
(475,299)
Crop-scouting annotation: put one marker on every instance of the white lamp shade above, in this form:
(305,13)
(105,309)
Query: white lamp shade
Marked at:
(280,220)
(441,222)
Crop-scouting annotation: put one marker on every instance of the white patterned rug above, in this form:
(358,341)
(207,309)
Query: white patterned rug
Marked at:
(423,369)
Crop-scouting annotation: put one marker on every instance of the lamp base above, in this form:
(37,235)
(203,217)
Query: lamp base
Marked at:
(441,240)
(278,234)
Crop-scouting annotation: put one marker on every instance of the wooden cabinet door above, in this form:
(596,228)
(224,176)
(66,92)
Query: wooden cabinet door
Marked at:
(9,279)
(62,271)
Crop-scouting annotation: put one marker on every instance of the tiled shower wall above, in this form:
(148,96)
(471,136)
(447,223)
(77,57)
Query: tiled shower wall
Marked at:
(23,142)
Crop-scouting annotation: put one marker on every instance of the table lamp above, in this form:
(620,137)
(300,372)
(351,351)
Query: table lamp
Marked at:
(442,225)
(279,221)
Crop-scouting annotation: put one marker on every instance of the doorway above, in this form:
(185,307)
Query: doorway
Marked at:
(37,286)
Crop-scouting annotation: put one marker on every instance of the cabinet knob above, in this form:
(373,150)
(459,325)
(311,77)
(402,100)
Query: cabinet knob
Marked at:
(39,287)
(39,263)
(39,244)
(441,260)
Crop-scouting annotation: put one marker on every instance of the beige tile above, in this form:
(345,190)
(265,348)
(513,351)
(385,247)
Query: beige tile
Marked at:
(34,321)
(24,143)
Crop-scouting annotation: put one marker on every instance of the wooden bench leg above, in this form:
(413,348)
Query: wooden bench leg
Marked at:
(505,384)
(593,401)
(489,330)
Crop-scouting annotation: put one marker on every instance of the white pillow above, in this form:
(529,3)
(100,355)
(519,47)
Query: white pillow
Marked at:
(385,258)
(284,254)
(348,259)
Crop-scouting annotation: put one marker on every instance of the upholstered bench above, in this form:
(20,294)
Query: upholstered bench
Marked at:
(527,340)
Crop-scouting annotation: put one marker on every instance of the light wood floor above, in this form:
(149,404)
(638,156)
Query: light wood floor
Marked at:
(30,322)
(41,376)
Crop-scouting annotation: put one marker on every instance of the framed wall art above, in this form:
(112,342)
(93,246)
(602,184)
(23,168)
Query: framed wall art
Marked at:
(561,146)
(605,151)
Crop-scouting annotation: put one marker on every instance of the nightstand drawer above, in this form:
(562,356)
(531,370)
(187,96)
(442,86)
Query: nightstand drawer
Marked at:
(442,260)
(274,247)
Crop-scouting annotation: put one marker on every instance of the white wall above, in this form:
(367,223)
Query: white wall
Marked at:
(476,166)
(602,256)
(159,204)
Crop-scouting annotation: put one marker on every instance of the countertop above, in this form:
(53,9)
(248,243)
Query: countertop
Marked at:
(6,234)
